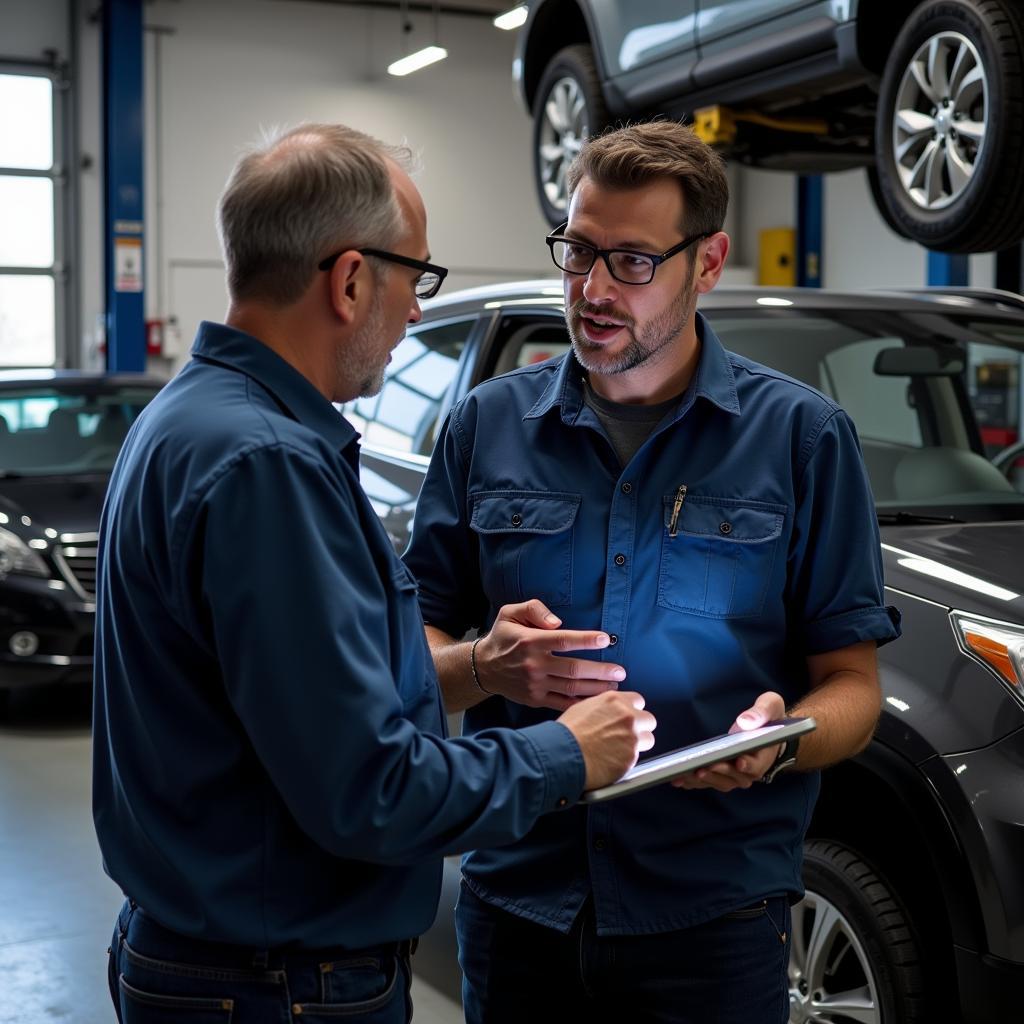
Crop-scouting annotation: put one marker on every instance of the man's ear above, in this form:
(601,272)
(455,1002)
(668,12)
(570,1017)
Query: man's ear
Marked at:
(346,282)
(713,252)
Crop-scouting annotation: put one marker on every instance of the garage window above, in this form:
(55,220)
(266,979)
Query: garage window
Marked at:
(30,196)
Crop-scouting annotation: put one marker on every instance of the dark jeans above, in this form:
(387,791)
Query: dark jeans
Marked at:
(159,977)
(728,971)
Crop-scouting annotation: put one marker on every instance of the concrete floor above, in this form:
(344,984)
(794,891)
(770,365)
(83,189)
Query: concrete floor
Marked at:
(57,907)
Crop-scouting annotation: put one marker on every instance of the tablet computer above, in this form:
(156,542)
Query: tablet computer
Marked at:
(699,755)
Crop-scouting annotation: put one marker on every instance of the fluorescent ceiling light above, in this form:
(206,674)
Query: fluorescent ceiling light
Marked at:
(511,19)
(417,60)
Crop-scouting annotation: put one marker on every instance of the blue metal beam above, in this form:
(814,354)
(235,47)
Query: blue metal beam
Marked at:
(948,269)
(123,170)
(810,229)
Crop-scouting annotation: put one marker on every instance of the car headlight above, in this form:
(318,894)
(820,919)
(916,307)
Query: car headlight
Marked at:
(999,646)
(17,557)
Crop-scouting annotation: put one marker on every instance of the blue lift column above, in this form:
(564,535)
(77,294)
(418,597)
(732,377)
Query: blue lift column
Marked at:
(123,209)
(810,221)
(948,270)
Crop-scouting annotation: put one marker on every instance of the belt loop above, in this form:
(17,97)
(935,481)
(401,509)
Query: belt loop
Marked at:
(260,959)
(132,907)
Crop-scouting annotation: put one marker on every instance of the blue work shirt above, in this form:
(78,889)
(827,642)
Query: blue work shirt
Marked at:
(774,555)
(270,767)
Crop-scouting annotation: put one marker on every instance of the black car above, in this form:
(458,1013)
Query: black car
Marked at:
(926,95)
(914,861)
(60,432)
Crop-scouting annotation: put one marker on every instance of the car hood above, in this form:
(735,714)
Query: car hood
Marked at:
(976,567)
(68,504)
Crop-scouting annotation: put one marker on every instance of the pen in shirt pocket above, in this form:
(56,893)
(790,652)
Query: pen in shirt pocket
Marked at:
(677,507)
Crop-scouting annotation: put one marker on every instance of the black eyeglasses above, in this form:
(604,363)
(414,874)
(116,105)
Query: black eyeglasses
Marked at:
(428,284)
(625,265)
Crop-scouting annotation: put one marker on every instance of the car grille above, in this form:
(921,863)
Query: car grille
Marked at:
(79,564)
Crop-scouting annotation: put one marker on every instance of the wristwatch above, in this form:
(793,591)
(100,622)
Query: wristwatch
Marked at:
(785,758)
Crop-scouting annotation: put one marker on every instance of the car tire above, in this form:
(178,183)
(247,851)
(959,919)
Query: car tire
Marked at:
(948,142)
(875,188)
(851,935)
(568,109)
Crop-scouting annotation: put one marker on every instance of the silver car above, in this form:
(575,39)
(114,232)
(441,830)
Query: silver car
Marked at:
(927,97)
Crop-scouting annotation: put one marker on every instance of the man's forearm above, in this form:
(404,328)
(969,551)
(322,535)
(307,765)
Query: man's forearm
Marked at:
(454,670)
(845,700)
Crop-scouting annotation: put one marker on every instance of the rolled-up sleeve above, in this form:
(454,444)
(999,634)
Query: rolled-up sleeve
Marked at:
(835,590)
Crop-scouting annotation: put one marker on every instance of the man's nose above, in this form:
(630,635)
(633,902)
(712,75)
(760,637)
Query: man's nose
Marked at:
(415,313)
(599,285)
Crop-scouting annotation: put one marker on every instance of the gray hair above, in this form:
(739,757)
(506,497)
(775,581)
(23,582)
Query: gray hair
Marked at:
(298,197)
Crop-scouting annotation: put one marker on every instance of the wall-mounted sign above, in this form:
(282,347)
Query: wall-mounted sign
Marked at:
(127,264)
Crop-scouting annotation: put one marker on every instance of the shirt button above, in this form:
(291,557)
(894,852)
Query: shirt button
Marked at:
(517,519)
(725,528)
(612,639)
(562,802)
(620,559)
(627,487)
(599,844)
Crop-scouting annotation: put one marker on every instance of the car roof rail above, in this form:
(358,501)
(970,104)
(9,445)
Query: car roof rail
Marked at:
(992,296)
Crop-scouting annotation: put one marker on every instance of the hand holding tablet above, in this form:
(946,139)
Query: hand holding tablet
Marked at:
(727,747)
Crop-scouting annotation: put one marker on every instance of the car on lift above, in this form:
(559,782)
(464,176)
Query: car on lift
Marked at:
(915,894)
(929,97)
(60,432)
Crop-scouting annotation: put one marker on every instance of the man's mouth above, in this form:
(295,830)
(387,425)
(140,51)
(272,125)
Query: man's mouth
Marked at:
(599,328)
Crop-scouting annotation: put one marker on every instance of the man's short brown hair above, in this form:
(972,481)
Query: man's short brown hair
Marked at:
(636,155)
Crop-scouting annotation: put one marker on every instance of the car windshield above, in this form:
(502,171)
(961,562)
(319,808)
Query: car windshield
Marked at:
(936,398)
(51,431)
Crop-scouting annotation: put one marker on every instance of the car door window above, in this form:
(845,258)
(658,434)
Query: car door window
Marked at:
(995,386)
(839,359)
(405,414)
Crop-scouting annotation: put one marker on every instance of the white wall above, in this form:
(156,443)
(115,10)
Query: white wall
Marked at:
(227,69)
(30,27)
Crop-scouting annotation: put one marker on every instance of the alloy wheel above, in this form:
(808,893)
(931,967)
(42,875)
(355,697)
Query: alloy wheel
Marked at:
(940,121)
(562,133)
(830,978)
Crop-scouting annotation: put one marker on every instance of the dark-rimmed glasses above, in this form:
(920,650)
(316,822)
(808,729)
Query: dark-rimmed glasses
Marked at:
(428,284)
(625,265)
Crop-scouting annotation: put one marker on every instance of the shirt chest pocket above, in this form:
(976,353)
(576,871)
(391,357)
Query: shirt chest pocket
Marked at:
(526,544)
(718,555)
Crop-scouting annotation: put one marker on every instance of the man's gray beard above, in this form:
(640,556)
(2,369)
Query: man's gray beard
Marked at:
(654,337)
(355,359)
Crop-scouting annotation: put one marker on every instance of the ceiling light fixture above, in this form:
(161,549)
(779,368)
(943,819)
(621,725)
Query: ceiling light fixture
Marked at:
(422,57)
(512,18)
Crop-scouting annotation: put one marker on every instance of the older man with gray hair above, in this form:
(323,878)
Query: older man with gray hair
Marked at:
(273,786)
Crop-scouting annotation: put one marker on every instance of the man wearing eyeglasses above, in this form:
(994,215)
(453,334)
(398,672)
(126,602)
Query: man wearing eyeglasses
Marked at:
(273,785)
(652,511)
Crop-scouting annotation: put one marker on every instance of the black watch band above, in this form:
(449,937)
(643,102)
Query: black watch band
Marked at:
(785,758)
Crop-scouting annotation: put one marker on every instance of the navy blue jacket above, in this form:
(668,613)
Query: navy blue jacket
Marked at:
(270,766)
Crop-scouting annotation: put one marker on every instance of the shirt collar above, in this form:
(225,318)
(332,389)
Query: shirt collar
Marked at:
(714,381)
(218,343)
